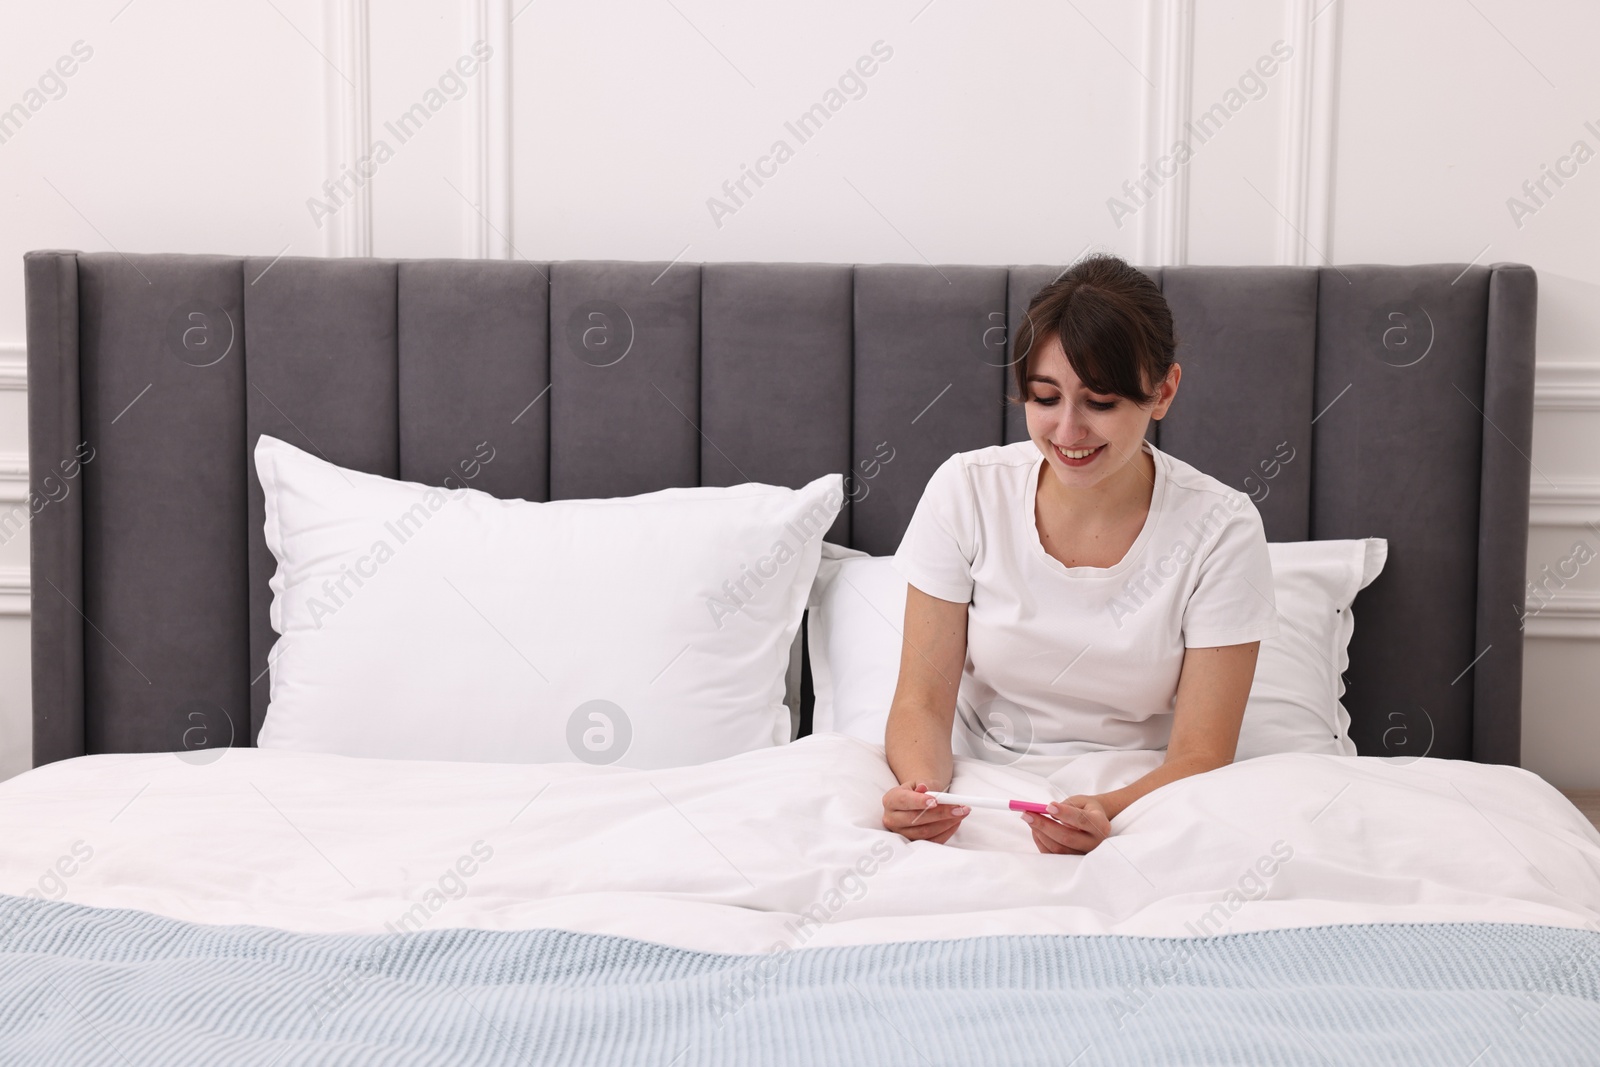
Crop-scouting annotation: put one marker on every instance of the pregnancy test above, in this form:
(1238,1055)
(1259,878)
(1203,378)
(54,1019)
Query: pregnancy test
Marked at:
(990,802)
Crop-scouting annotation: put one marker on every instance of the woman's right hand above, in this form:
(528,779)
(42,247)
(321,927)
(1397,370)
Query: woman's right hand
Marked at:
(911,813)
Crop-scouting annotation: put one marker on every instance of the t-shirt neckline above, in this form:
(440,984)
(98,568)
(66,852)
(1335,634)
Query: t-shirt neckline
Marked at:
(1031,526)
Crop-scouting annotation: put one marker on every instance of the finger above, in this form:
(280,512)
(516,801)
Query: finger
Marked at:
(1049,829)
(1099,825)
(1054,848)
(1057,849)
(933,823)
(1068,814)
(917,830)
(902,799)
(1086,820)
(941,812)
(920,835)
(1066,836)
(1096,815)
(1075,839)
(906,821)
(938,835)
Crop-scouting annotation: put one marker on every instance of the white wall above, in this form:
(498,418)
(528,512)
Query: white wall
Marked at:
(992,134)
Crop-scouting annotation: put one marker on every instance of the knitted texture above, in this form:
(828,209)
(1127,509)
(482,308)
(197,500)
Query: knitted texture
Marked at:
(81,985)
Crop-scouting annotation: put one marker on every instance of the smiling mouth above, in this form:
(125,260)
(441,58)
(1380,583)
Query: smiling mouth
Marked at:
(1080,460)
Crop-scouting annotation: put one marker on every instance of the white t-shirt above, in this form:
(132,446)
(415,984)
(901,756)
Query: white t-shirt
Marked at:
(1066,660)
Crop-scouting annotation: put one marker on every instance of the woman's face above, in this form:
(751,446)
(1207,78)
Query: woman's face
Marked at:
(1065,415)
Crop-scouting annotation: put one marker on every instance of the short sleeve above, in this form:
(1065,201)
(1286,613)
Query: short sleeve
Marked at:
(939,545)
(1233,601)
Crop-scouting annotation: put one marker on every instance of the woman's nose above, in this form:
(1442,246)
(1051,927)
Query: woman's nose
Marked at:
(1071,425)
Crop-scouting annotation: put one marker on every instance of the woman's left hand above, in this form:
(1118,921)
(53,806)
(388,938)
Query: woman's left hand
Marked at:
(1074,827)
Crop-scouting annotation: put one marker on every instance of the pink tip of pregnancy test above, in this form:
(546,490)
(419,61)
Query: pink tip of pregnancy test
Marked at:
(1028,805)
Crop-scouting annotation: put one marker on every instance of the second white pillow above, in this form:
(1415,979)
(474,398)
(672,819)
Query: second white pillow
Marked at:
(420,623)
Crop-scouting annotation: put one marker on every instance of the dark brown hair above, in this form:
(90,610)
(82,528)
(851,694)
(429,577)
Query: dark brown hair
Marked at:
(1113,323)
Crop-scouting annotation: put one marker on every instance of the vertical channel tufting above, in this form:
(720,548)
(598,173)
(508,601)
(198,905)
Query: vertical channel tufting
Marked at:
(1507,405)
(775,378)
(624,378)
(163,536)
(926,385)
(321,374)
(1397,454)
(1247,348)
(474,376)
(55,529)
(1022,285)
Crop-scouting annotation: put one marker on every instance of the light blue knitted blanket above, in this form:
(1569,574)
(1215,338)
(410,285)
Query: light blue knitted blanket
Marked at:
(82,985)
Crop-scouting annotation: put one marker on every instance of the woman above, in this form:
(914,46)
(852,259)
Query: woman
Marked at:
(1081,590)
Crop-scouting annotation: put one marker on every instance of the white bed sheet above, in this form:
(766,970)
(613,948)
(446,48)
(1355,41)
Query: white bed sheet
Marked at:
(730,856)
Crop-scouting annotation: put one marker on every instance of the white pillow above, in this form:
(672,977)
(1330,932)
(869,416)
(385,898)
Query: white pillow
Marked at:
(421,623)
(858,608)
(1294,701)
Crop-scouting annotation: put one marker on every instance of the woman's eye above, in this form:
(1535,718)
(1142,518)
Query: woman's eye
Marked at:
(1096,405)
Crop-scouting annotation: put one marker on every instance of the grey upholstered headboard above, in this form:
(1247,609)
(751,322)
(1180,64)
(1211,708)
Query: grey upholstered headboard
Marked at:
(1404,394)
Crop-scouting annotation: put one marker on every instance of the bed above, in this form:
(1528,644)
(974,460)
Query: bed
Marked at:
(172,894)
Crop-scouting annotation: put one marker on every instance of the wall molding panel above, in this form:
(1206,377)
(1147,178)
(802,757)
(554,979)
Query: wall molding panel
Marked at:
(349,123)
(1570,502)
(14,591)
(13,478)
(1165,108)
(489,162)
(1567,615)
(13,365)
(1566,387)
(1310,126)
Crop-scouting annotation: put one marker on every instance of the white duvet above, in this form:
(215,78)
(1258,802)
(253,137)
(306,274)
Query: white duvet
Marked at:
(783,847)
